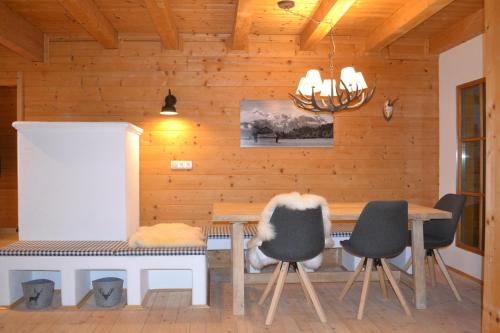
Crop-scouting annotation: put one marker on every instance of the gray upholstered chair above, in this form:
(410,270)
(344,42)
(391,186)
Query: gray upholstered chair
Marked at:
(299,237)
(440,233)
(380,233)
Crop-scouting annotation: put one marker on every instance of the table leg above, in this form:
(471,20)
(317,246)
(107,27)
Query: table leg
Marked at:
(238,269)
(418,254)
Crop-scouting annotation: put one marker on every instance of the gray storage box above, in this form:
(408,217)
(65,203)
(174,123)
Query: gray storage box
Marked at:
(38,294)
(107,291)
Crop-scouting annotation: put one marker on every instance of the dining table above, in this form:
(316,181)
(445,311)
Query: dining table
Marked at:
(240,213)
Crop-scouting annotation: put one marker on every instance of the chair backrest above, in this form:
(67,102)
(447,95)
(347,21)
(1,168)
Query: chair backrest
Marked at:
(299,234)
(381,230)
(444,229)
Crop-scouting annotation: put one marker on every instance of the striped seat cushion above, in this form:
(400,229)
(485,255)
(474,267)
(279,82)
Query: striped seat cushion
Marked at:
(221,231)
(162,251)
(341,234)
(62,248)
(91,248)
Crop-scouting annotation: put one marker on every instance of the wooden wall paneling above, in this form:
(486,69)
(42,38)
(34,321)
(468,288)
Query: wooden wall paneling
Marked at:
(491,288)
(85,82)
(8,158)
(19,35)
(8,79)
(462,31)
(19,96)
(403,20)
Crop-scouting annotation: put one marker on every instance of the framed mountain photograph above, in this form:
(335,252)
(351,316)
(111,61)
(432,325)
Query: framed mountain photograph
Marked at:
(278,123)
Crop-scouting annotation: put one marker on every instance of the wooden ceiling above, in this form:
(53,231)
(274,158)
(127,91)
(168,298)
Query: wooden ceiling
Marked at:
(381,22)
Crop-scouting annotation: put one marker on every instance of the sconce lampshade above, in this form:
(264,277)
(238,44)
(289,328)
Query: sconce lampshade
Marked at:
(169,108)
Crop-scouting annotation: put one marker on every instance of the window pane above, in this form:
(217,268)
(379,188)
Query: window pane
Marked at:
(471,166)
(470,226)
(471,120)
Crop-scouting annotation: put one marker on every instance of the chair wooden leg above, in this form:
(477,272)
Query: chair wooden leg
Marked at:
(366,285)
(408,264)
(443,268)
(277,293)
(432,271)
(351,280)
(395,286)
(301,280)
(381,278)
(271,283)
(312,293)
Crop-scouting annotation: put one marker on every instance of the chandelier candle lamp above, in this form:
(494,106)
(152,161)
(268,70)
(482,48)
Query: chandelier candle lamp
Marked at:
(317,95)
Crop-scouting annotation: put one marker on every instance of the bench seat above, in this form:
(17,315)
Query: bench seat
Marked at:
(74,260)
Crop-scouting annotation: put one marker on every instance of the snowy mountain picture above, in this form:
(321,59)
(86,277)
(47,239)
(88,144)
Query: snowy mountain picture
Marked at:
(278,123)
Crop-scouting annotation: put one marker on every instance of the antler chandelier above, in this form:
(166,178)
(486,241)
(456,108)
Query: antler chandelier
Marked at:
(351,92)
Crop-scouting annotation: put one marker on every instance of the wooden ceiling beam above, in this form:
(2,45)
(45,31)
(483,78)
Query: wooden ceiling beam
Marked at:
(19,35)
(92,19)
(330,11)
(465,29)
(242,24)
(402,21)
(162,17)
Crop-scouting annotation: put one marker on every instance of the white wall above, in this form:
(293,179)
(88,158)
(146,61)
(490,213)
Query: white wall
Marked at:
(458,65)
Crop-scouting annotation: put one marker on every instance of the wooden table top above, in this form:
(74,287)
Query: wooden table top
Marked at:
(342,211)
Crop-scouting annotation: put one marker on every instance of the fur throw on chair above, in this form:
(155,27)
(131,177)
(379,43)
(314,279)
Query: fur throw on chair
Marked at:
(265,230)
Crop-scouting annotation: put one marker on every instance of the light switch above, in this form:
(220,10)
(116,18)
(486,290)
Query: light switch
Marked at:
(181,165)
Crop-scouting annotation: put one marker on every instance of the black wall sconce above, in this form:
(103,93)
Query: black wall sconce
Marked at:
(169,108)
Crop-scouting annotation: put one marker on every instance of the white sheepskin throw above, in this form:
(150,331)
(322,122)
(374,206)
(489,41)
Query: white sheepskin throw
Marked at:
(167,235)
(265,230)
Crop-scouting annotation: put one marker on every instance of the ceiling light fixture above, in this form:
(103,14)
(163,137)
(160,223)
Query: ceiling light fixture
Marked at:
(351,92)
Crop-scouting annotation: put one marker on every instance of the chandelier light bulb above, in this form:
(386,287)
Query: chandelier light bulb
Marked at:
(348,76)
(314,79)
(304,87)
(360,81)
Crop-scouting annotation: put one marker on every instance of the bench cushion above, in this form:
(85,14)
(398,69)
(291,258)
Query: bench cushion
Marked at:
(341,234)
(62,248)
(91,248)
(162,251)
(222,231)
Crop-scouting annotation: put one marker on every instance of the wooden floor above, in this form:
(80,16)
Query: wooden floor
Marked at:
(169,311)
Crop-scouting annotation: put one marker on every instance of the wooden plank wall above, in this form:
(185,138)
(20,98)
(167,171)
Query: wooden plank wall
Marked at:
(372,158)
(491,57)
(8,158)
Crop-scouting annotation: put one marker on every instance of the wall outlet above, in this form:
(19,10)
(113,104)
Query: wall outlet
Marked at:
(181,165)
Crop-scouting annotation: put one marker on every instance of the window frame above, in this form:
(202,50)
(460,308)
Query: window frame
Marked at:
(482,140)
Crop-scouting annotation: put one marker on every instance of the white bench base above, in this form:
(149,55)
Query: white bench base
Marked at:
(75,274)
